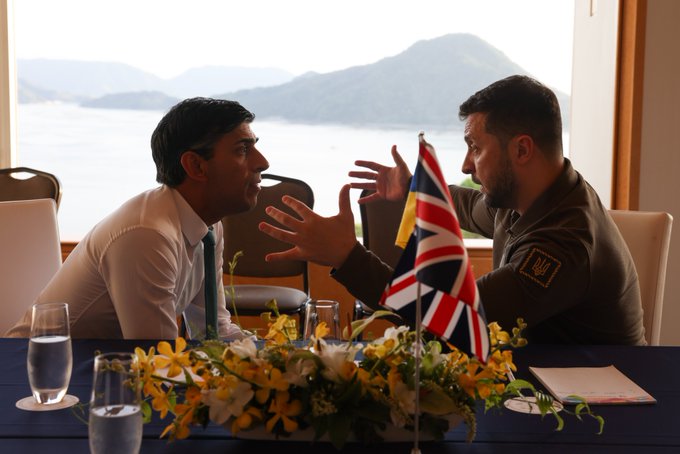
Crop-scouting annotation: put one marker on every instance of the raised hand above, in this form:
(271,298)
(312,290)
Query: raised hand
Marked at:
(326,241)
(390,183)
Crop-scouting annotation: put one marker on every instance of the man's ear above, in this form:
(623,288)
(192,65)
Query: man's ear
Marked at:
(194,165)
(524,148)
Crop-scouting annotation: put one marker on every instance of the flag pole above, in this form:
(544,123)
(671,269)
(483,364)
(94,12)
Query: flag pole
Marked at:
(416,424)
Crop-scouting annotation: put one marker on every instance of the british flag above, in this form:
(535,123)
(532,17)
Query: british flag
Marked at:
(435,259)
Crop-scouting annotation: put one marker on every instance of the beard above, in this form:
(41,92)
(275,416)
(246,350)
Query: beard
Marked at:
(502,193)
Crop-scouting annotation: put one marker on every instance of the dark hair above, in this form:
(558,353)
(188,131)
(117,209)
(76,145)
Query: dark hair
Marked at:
(193,124)
(519,105)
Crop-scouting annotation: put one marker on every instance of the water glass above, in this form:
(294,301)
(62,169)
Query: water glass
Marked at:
(115,422)
(318,311)
(50,358)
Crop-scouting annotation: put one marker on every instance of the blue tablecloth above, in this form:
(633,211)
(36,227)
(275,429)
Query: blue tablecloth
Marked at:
(628,428)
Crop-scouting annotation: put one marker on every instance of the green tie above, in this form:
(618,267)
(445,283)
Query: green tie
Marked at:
(210,286)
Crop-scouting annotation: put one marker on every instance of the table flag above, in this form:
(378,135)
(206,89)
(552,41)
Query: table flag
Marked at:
(436,259)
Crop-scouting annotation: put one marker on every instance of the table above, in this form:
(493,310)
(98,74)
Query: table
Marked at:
(630,428)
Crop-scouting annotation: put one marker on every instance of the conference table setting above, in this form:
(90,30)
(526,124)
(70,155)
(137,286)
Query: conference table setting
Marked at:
(644,426)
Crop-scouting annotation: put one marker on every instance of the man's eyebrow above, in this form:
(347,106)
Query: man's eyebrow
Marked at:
(467,138)
(250,140)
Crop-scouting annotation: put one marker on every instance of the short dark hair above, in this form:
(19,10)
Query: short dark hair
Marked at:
(193,124)
(519,105)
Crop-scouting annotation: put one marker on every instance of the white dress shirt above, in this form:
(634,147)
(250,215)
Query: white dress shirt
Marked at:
(136,271)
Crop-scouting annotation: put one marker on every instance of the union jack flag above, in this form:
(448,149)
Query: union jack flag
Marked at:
(436,259)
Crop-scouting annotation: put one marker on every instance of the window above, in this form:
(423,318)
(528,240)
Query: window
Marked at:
(102,156)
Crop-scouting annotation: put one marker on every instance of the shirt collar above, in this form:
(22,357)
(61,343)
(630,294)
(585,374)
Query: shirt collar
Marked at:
(564,183)
(193,227)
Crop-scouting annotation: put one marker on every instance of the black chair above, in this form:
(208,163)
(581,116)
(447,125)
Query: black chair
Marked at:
(241,233)
(379,226)
(38,185)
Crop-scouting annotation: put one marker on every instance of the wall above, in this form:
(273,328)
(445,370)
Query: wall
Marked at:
(660,148)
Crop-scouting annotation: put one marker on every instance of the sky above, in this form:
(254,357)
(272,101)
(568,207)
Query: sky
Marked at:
(167,37)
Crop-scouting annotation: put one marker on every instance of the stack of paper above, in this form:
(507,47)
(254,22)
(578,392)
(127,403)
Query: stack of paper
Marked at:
(596,385)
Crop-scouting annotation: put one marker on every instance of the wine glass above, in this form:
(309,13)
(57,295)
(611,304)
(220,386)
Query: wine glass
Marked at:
(115,422)
(50,358)
(318,311)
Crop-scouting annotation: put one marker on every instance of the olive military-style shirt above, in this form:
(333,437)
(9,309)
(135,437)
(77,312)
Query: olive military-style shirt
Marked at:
(562,266)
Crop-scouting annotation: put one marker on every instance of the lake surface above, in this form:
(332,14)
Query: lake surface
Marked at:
(102,157)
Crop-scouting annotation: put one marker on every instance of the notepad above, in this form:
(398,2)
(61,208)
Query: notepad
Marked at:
(596,385)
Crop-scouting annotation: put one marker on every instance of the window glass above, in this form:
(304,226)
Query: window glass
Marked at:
(174,49)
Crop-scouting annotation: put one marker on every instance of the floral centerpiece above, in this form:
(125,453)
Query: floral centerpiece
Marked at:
(338,391)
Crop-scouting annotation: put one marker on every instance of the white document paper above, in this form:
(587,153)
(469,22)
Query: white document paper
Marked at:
(596,385)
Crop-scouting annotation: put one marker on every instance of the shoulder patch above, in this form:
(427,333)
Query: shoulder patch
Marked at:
(540,267)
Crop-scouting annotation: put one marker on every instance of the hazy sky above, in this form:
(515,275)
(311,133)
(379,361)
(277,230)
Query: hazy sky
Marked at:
(166,37)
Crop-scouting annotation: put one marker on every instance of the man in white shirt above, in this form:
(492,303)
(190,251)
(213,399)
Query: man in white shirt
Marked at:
(141,268)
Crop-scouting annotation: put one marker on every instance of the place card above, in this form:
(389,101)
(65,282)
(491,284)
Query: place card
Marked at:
(596,385)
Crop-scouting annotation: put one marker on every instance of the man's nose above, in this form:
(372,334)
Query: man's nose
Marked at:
(468,167)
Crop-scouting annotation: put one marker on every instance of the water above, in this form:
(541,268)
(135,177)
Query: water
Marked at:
(115,429)
(49,367)
(102,157)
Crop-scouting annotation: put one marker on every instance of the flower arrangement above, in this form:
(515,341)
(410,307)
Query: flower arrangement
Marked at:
(340,391)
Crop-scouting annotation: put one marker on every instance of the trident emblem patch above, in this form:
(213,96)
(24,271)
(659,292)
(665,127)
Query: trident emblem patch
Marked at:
(540,267)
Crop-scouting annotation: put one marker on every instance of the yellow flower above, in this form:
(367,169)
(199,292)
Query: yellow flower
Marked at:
(284,410)
(278,331)
(179,429)
(144,360)
(497,335)
(321,330)
(245,419)
(160,400)
(500,362)
(269,379)
(175,360)
(476,379)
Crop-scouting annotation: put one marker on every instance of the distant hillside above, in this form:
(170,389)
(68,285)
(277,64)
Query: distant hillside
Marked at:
(81,79)
(139,100)
(423,85)
(29,93)
(85,79)
(208,80)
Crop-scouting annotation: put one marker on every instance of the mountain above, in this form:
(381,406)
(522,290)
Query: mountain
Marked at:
(424,85)
(208,80)
(421,87)
(138,100)
(81,79)
(85,79)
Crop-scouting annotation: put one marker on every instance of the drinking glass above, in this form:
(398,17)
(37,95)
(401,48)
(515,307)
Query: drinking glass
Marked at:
(318,311)
(50,358)
(115,423)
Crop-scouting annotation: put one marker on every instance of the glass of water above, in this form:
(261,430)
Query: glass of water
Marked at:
(50,358)
(318,311)
(115,422)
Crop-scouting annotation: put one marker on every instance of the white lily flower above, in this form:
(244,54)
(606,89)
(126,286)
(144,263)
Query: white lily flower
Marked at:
(223,405)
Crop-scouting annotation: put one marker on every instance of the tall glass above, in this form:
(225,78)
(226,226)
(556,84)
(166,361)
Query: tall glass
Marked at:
(115,423)
(50,358)
(318,311)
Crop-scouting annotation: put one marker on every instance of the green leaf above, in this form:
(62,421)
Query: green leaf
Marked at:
(339,429)
(146,411)
(358,326)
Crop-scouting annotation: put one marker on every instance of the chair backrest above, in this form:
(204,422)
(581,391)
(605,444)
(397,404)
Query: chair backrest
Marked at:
(379,225)
(38,185)
(241,232)
(30,254)
(648,236)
